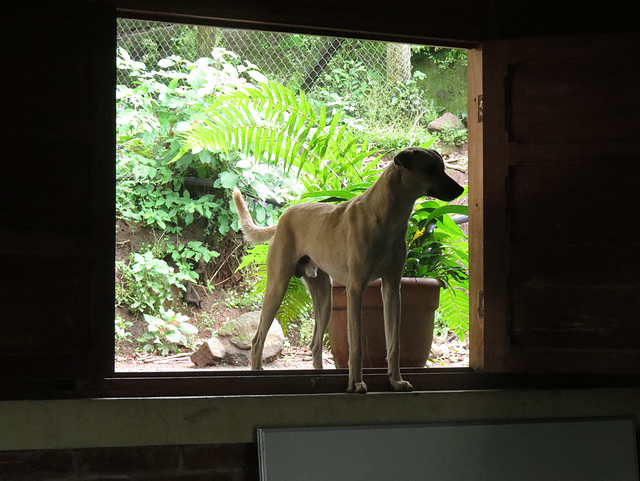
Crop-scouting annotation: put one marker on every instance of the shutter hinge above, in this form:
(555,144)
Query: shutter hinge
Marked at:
(480,101)
(481,304)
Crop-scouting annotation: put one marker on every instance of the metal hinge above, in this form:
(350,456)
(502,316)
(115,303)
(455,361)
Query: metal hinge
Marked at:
(481,305)
(480,108)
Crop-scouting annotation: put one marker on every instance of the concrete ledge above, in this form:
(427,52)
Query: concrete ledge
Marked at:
(207,420)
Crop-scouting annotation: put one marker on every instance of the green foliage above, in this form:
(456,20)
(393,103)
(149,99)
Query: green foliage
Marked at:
(184,255)
(452,137)
(247,299)
(441,56)
(438,248)
(148,282)
(166,332)
(433,241)
(443,78)
(296,303)
(394,114)
(343,88)
(121,327)
(151,190)
(277,127)
(166,196)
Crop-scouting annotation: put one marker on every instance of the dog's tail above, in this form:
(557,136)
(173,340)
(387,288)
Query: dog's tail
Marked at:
(254,233)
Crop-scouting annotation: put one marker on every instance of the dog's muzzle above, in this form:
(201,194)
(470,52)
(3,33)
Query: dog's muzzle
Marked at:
(447,190)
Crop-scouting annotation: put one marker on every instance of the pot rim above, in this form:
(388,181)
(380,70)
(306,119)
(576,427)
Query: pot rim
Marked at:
(411,281)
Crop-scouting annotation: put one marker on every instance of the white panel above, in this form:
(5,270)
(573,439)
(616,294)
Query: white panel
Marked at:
(595,450)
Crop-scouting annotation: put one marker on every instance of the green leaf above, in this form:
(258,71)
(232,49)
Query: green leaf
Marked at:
(228,180)
(187,328)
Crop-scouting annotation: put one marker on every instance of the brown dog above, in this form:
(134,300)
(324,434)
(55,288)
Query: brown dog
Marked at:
(354,243)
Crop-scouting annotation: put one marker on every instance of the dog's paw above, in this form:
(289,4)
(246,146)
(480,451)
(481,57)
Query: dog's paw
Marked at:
(358,388)
(401,386)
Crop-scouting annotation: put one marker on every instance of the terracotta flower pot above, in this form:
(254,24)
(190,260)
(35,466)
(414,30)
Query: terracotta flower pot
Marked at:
(420,298)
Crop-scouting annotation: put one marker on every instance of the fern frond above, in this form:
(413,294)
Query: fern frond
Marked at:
(275,125)
(454,309)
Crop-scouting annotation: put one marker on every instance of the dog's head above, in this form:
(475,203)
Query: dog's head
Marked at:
(425,174)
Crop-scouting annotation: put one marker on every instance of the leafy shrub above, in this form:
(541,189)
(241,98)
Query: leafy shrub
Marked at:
(121,327)
(453,136)
(152,190)
(441,56)
(148,282)
(166,194)
(394,114)
(166,332)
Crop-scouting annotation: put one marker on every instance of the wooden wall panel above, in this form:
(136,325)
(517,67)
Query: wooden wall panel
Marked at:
(572,152)
(56,238)
(581,201)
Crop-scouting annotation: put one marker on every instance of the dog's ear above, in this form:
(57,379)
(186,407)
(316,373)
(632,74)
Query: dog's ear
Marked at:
(404,158)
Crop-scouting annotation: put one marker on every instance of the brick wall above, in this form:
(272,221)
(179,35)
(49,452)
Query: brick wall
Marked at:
(213,462)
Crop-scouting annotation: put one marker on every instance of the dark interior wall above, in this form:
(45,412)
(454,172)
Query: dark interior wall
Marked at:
(56,240)
(211,462)
(56,235)
(457,22)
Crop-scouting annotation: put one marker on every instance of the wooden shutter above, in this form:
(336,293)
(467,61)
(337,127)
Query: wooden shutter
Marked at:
(56,237)
(559,203)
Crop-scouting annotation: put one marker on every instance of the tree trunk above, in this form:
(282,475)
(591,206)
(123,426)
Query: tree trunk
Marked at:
(398,62)
(206,41)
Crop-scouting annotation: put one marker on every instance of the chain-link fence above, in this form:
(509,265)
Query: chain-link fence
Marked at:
(298,61)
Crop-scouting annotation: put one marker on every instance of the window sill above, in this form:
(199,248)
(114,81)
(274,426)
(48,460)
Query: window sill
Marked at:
(251,383)
(181,420)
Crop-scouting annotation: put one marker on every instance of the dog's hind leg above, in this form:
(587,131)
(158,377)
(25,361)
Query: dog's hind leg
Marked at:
(321,294)
(391,301)
(274,293)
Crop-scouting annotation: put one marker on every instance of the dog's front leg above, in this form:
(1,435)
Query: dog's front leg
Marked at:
(354,315)
(392,307)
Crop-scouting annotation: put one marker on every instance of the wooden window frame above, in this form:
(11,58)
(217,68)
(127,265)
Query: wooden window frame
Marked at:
(111,383)
(487,287)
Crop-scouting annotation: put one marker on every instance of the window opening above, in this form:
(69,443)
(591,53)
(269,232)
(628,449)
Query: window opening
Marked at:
(178,249)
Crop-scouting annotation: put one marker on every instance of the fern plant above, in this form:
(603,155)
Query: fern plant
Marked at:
(275,125)
(296,302)
(438,248)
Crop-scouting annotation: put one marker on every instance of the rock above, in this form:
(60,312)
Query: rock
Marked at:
(232,343)
(447,121)
(240,331)
(210,352)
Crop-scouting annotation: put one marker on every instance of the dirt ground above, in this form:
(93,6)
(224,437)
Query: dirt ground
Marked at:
(447,350)
(445,353)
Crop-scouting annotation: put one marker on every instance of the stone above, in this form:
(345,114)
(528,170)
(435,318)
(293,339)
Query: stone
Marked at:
(211,352)
(232,343)
(241,330)
(447,121)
